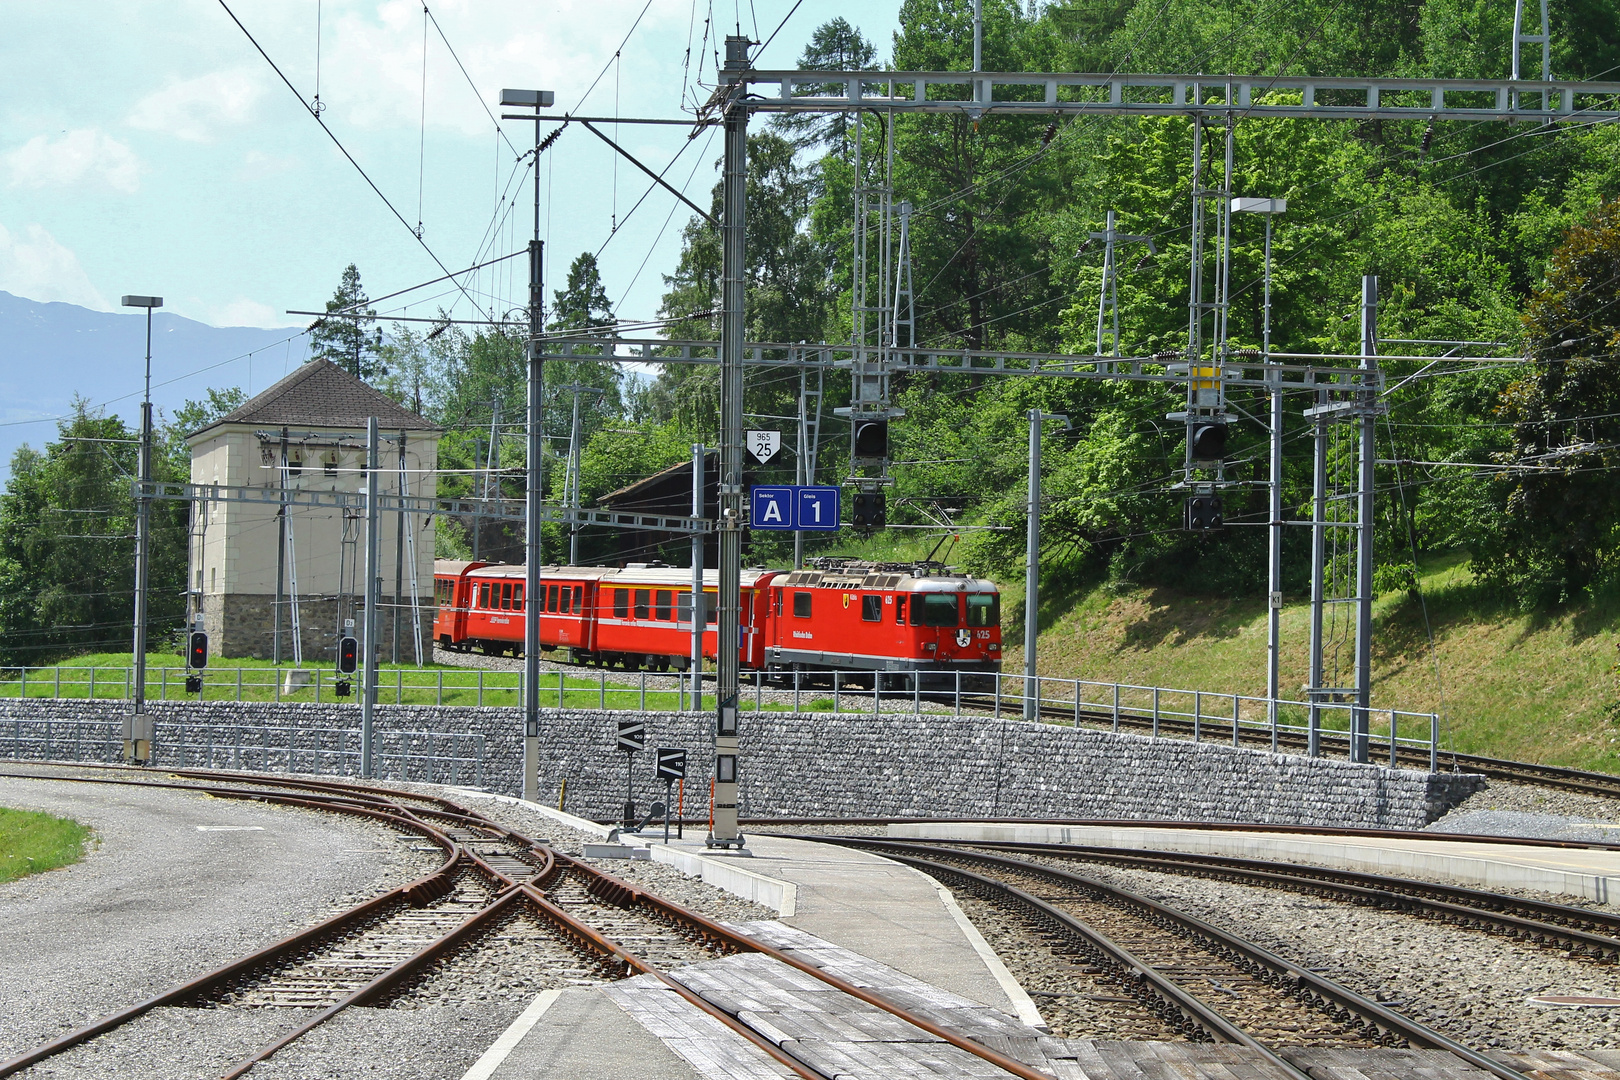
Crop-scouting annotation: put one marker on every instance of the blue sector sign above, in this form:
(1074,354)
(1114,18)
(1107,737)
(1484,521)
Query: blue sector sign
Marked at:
(792,508)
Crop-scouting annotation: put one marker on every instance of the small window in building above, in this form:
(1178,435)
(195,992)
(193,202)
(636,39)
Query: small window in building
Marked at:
(331,463)
(295,464)
(871,608)
(213,579)
(661,605)
(801,605)
(567,593)
(621,603)
(551,598)
(900,611)
(643,605)
(517,597)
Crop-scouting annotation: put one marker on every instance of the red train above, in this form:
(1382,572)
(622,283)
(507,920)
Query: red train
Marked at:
(903,625)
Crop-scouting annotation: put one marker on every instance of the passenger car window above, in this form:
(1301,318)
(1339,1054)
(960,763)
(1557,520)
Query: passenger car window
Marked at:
(565,606)
(551,598)
(984,609)
(801,605)
(621,603)
(662,604)
(517,597)
(579,598)
(643,608)
(872,608)
(483,595)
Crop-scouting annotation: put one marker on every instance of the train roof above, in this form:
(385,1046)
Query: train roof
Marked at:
(606,575)
(875,576)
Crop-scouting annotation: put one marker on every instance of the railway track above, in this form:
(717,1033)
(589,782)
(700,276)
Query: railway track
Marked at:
(1194,978)
(595,927)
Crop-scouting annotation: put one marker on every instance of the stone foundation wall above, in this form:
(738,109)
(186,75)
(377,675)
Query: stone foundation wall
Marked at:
(834,765)
(243,625)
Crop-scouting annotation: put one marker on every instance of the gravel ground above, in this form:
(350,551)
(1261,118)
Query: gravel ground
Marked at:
(433,1042)
(1503,808)
(174,884)
(1466,984)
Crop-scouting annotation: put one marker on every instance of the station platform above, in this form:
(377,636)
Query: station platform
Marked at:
(1591,873)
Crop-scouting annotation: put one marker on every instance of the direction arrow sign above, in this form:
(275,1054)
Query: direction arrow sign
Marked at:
(632,735)
(671,764)
(764,444)
(789,508)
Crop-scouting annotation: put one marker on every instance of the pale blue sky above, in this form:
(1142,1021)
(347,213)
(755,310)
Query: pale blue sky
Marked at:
(146,147)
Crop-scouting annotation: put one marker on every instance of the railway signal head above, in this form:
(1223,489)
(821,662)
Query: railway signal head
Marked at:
(1204,514)
(197,650)
(1206,441)
(348,655)
(871,439)
(870,510)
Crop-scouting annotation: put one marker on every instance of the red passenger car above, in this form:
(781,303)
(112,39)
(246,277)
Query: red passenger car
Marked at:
(905,626)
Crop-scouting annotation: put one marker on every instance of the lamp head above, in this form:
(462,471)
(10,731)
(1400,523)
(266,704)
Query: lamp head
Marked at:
(143,301)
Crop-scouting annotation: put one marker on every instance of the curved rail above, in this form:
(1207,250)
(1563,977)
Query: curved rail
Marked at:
(524,875)
(1266,965)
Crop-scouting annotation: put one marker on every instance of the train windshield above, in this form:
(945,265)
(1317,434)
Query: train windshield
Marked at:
(939,609)
(984,609)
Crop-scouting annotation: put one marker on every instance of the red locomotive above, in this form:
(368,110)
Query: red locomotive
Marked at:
(904,625)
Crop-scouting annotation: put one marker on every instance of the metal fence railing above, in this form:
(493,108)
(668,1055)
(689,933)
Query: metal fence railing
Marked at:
(1286,726)
(442,757)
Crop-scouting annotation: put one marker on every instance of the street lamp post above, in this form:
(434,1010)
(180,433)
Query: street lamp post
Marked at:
(138,727)
(537,100)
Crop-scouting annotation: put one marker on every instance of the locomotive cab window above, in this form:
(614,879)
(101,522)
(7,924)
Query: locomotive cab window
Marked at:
(661,603)
(938,609)
(643,607)
(900,611)
(872,608)
(984,609)
(621,603)
(801,605)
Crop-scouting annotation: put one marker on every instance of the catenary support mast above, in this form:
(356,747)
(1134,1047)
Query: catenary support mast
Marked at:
(734,188)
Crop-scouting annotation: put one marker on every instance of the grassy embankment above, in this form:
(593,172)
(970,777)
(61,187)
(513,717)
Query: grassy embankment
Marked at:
(32,842)
(396,683)
(1527,686)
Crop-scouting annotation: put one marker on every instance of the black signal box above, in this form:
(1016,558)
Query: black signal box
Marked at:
(871,438)
(197,650)
(871,510)
(1207,442)
(1203,513)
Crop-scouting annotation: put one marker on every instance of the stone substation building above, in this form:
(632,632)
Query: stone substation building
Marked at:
(308,432)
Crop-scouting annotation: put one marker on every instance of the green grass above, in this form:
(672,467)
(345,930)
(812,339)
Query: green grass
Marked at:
(403,684)
(1531,687)
(32,842)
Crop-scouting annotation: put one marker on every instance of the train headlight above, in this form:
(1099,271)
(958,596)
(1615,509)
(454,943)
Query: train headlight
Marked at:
(995,647)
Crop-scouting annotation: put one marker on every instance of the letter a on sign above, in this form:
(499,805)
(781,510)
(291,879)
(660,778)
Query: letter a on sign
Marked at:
(773,510)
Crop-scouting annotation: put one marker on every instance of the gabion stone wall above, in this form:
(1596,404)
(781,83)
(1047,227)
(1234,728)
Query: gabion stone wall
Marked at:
(844,765)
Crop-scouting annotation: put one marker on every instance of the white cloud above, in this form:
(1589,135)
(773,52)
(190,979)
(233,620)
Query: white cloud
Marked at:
(82,155)
(245,312)
(192,109)
(35,265)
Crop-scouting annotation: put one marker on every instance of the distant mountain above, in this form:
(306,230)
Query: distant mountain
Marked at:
(50,352)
